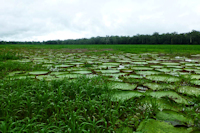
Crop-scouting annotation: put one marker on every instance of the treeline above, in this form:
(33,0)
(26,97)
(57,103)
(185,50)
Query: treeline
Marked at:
(156,38)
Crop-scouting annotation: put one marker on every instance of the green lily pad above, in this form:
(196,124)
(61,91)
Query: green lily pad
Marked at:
(134,76)
(107,71)
(63,66)
(156,126)
(172,95)
(161,104)
(116,75)
(155,86)
(147,72)
(82,72)
(115,79)
(195,82)
(166,70)
(170,64)
(153,62)
(46,77)
(127,70)
(163,78)
(38,72)
(24,61)
(175,118)
(141,68)
(58,73)
(125,95)
(122,86)
(157,67)
(15,72)
(193,91)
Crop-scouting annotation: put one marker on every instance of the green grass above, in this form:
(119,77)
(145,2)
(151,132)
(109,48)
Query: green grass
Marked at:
(171,49)
(62,106)
(9,56)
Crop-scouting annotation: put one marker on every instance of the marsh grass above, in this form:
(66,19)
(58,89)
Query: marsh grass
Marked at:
(6,55)
(60,106)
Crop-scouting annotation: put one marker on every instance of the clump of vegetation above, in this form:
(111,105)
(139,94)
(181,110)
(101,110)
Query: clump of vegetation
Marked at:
(81,105)
(9,56)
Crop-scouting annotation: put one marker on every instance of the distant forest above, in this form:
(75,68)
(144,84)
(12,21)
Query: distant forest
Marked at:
(156,38)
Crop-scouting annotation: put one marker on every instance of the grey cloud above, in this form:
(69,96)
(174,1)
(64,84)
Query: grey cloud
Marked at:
(65,19)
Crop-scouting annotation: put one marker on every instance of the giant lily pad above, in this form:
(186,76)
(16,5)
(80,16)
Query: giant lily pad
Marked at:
(45,77)
(38,72)
(82,72)
(108,71)
(172,95)
(134,76)
(156,126)
(170,64)
(125,95)
(123,86)
(141,68)
(193,91)
(161,104)
(147,72)
(175,118)
(155,86)
(166,70)
(163,78)
(195,82)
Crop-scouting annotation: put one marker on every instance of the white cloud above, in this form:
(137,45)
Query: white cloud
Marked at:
(66,19)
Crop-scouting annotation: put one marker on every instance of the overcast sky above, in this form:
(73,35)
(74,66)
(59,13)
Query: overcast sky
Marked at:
(38,20)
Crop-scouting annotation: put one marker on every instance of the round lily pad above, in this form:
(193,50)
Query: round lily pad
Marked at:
(175,118)
(63,66)
(172,95)
(155,86)
(125,95)
(82,72)
(170,64)
(188,90)
(38,72)
(147,72)
(127,70)
(108,71)
(122,86)
(141,68)
(163,78)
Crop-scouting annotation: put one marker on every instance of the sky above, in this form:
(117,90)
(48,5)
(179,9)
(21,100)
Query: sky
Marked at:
(41,20)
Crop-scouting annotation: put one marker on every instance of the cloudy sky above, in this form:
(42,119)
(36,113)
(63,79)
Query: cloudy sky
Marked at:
(38,20)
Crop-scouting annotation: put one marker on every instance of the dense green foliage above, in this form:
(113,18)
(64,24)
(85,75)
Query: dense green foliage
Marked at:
(154,91)
(61,106)
(156,38)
